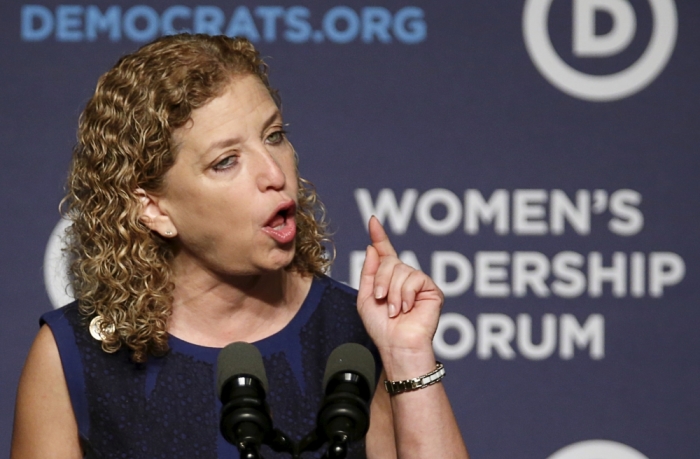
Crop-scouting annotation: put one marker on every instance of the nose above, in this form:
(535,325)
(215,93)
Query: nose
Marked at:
(270,174)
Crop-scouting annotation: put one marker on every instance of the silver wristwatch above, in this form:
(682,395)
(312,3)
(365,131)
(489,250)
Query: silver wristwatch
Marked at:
(407,385)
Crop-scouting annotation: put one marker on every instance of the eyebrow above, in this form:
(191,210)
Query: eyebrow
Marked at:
(226,143)
(275,115)
(221,144)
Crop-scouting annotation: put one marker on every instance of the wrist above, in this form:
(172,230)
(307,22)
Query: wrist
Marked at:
(400,364)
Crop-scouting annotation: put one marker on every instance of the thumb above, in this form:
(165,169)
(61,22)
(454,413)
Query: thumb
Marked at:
(369,269)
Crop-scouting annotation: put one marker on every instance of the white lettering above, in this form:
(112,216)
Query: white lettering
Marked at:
(489,270)
(397,216)
(441,261)
(571,334)
(563,210)
(529,212)
(500,274)
(453,209)
(530,269)
(637,274)
(665,268)
(570,282)
(549,337)
(495,332)
(586,43)
(615,274)
(628,219)
(465,342)
(495,211)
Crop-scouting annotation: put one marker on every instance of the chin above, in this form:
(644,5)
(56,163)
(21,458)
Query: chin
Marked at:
(283,259)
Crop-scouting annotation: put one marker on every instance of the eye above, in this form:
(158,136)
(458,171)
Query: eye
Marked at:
(276,137)
(226,163)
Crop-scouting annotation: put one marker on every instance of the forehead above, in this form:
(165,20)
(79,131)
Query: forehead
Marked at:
(242,97)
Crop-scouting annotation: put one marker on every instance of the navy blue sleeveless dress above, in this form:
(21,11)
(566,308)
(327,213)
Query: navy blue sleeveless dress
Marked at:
(168,408)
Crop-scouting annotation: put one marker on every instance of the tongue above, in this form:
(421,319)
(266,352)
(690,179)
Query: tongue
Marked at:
(276,221)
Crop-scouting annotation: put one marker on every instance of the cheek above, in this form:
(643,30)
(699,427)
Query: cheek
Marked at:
(289,166)
(199,215)
(218,231)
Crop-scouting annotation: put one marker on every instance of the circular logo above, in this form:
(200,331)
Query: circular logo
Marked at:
(56,267)
(600,88)
(597,449)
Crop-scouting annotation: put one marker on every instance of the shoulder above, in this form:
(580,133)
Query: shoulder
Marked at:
(69,313)
(44,348)
(69,325)
(70,331)
(338,288)
(336,316)
(337,298)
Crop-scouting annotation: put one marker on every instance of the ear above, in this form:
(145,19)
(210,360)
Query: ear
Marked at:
(153,216)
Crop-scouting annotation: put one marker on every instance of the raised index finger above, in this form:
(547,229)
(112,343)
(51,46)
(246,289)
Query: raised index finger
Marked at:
(379,238)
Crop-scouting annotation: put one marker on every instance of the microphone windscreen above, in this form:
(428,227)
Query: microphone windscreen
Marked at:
(240,359)
(351,357)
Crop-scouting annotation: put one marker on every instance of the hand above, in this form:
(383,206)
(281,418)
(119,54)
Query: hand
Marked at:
(399,305)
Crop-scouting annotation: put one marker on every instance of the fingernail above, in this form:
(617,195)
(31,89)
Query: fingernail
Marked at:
(379,293)
(392,310)
(404,306)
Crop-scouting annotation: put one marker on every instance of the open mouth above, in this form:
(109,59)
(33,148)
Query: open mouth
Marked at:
(282,226)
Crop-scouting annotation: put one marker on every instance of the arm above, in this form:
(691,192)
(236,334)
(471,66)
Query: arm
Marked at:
(380,441)
(45,426)
(400,308)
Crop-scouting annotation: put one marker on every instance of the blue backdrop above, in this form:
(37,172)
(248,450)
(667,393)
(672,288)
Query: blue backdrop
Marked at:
(538,158)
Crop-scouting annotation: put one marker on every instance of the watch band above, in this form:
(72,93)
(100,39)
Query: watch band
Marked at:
(407,385)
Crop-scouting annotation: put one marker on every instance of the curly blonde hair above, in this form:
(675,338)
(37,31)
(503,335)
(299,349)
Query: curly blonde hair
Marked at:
(120,270)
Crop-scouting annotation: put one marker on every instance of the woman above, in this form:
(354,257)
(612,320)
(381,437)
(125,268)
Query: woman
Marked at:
(191,229)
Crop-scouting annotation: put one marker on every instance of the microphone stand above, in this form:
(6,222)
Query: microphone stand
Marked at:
(337,447)
(276,440)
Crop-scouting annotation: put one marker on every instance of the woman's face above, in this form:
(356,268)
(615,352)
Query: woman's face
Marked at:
(231,194)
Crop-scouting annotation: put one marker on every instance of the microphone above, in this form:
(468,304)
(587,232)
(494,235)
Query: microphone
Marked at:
(242,384)
(349,383)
